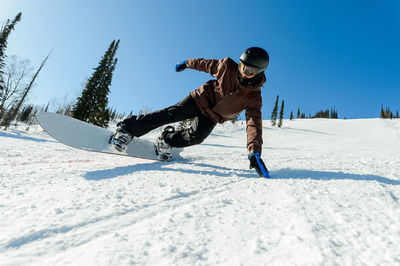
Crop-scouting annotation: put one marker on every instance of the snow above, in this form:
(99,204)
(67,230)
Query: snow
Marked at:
(333,198)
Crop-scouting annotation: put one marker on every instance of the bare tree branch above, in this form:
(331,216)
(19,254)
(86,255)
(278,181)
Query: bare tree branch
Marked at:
(16,73)
(14,111)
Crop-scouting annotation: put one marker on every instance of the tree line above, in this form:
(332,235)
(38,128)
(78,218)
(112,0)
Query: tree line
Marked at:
(332,113)
(386,113)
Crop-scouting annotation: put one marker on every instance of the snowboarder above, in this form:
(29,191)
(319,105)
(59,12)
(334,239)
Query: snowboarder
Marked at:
(236,87)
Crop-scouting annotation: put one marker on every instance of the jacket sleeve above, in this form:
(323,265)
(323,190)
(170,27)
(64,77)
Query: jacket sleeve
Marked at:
(254,125)
(211,66)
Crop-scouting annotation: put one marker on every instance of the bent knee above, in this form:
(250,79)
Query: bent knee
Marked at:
(197,140)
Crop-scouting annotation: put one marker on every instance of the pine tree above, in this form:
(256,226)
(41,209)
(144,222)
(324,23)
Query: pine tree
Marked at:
(386,113)
(298,114)
(397,114)
(91,106)
(281,114)
(334,113)
(291,115)
(4,33)
(382,112)
(274,114)
(26,113)
(322,114)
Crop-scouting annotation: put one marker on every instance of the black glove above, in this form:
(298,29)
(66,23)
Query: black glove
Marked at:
(257,163)
(180,66)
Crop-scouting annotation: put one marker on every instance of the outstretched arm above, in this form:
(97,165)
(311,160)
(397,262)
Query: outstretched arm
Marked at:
(210,66)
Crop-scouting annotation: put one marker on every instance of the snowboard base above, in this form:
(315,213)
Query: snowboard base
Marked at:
(81,135)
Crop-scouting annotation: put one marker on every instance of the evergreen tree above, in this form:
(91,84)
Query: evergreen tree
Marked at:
(298,114)
(4,33)
(281,114)
(291,115)
(274,114)
(382,112)
(397,114)
(386,113)
(26,113)
(322,114)
(334,113)
(91,106)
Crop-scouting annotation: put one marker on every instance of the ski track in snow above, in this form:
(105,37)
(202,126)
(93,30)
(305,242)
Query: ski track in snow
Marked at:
(333,198)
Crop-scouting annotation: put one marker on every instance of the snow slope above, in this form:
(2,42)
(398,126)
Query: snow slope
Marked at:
(333,198)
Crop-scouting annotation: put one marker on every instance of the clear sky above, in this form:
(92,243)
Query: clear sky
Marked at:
(341,53)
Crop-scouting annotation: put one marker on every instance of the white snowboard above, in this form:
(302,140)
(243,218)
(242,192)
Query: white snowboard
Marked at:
(81,135)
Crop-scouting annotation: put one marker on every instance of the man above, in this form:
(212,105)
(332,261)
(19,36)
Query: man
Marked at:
(236,87)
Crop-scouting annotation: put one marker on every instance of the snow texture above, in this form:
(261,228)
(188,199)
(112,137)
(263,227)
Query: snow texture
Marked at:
(333,198)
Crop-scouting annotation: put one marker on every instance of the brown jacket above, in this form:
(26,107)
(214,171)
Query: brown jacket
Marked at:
(223,98)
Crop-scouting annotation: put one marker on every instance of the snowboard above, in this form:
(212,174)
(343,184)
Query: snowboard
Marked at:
(81,135)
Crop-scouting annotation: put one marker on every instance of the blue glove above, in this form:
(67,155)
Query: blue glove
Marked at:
(257,163)
(180,66)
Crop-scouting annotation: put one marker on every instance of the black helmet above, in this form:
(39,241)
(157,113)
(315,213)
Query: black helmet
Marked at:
(255,57)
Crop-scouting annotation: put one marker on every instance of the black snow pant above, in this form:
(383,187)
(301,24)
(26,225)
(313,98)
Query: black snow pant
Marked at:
(201,126)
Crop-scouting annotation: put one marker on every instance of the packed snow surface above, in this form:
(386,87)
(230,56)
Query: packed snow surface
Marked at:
(333,198)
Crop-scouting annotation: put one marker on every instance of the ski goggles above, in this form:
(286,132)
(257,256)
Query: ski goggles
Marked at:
(248,70)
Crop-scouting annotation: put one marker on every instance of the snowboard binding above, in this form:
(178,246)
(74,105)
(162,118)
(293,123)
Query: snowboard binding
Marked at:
(163,149)
(121,138)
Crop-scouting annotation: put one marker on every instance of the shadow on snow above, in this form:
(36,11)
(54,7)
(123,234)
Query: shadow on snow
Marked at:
(208,169)
(220,171)
(19,136)
(329,176)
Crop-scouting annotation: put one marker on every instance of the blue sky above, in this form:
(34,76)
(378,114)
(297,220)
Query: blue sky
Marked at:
(322,53)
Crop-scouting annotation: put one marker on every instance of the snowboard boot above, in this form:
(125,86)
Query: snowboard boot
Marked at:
(121,138)
(163,149)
